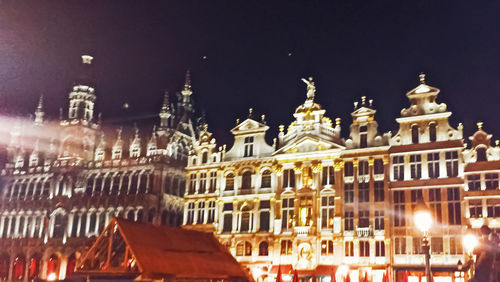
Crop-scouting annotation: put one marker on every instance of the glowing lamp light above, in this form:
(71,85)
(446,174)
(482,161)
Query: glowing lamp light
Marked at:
(422,217)
(52,277)
(469,242)
(343,270)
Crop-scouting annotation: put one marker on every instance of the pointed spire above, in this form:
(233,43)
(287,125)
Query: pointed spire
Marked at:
(39,113)
(165,100)
(187,82)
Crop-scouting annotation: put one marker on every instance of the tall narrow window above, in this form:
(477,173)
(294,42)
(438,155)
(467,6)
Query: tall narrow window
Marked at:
(83,224)
(266,179)
(454,212)
(327,248)
(416,166)
(327,211)
(287,207)
(348,193)
(414,134)
(203,183)
(452,163)
(211,212)
(328,175)
(481,154)
(364,248)
(246,180)
(364,218)
(192,183)
(349,220)
(363,140)
(201,213)
(229,182)
(190,213)
(417,245)
(286,247)
(364,192)
(363,168)
(398,165)
(433,164)
(288,178)
(264,216)
(248,146)
(432,132)
(399,208)
(246,219)
(437,245)
(263,248)
(415,195)
(435,203)
(349,249)
(378,187)
(213,181)
(204,157)
(348,169)
(228,217)
(379,248)
(379,220)
(116,183)
(400,245)
(378,166)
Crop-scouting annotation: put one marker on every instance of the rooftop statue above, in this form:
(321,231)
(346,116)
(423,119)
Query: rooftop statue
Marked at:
(311,89)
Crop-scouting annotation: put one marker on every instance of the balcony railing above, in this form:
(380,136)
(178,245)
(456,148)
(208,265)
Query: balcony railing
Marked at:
(364,231)
(302,230)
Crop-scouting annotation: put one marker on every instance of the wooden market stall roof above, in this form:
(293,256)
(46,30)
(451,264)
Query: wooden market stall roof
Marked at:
(153,251)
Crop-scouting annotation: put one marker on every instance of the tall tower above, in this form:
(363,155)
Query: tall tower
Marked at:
(39,113)
(81,99)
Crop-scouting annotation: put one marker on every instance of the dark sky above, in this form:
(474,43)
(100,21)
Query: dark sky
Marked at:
(141,48)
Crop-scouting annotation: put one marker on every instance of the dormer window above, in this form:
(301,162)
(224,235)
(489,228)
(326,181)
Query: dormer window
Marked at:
(99,155)
(363,139)
(414,134)
(135,151)
(481,154)
(432,132)
(19,161)
(248,146)
(34,159)
(204,157)
(151,149)
(117,154)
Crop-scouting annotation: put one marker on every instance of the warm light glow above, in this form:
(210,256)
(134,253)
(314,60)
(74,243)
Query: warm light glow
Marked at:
(423,220)
(51,277)
(343,270)
(257,272)
(470,242)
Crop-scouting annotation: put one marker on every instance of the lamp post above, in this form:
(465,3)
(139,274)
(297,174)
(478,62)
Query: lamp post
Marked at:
(470,242)
(423,221)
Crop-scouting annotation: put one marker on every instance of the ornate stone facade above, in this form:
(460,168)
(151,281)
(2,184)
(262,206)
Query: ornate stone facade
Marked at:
(64,180)
(314,199)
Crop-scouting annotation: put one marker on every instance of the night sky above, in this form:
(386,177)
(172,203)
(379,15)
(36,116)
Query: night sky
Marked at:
(246,54)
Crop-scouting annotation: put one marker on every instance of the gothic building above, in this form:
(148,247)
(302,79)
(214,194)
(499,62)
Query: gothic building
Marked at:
(64,180)
(316,204)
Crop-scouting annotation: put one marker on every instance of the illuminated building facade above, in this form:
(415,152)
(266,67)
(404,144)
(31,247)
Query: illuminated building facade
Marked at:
(313,200)
(64,180)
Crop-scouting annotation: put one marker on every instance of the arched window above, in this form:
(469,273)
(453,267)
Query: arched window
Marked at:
(144,185)
(140,215)
(245,219)
(151,215)
(98,184)
(22,189)
(38,188)
(31,188)
(107,184)
(266,179)
(102,222)
(131,215)
(83,224)
(20,230)
(19,266)
(229,182)
(59,225)
(243,249)
(124,188)
(263,248)
(414,134)
(53,267)
(116,183)
(34,267)
(70,266)
(164,217)
(74,225)
(175,187)
(246,182)
(481,154)
(4,266)
(363,137)
(92,223)
(204,157)
(46,188)
(167,185)
(134,183)
(432,132)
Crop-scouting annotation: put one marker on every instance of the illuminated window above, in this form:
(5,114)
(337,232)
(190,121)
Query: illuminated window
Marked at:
(452,163)
(243,249)
(454,214)
(286,247)
(328,175)
(266,179)
(288,178)
(400,245)
(416,166)
(435,203)
(248,146)
(398,166)
(349,220)
(263,248)
(363,168)
(349,249)
(364,248)
(229,182)
(213,181)
(476,208)
(287,206)
(399,208)
(380,249)
(327,248)
(203,183)
(433,165)
(327,211)
(379,220)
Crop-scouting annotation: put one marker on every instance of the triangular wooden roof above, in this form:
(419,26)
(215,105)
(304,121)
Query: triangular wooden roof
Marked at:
(159,251)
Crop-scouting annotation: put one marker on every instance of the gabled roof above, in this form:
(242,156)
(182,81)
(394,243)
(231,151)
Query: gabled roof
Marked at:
(249,126)
(304,140)
(160,251)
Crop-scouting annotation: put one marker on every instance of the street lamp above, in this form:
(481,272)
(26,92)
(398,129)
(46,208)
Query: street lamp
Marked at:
(470,242)
(422,216)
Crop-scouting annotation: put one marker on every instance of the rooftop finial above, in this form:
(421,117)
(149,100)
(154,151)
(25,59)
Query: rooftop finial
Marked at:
(237,121)
(480,125)
(337,121)
(263,117)
(250,112)
(165,99)
(355,105)
(311,89)
(87,59)
(422,78)
(136,129)
(363,100)
(282,128)
(187,83)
